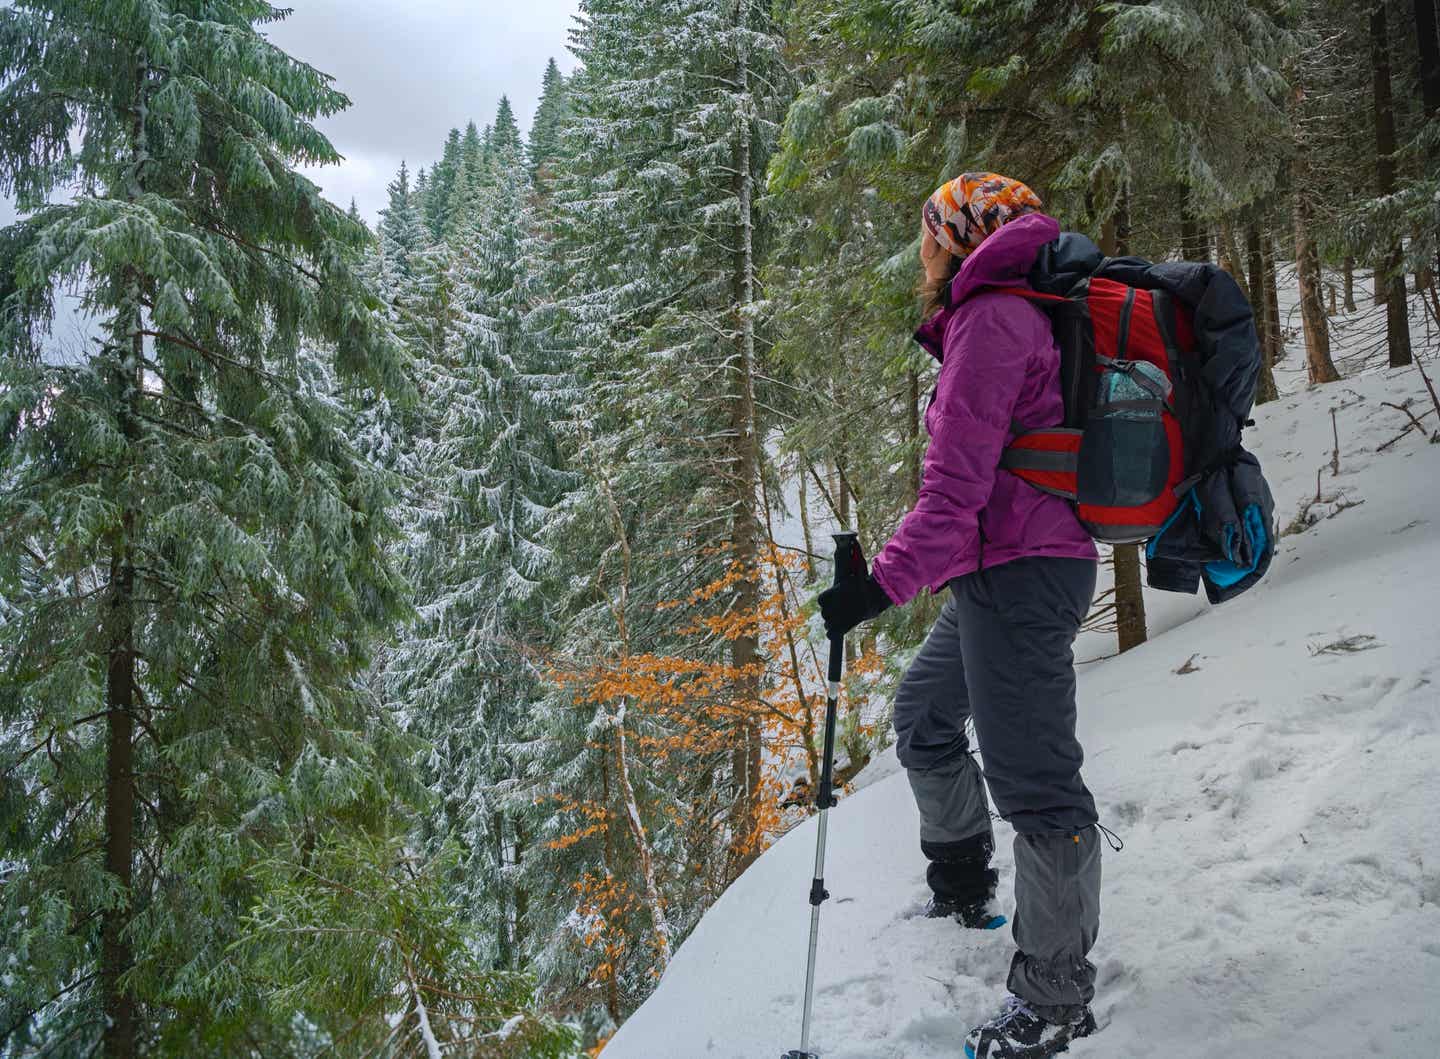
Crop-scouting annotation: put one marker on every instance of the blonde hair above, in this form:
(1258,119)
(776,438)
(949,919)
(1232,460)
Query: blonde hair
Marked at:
(934,294)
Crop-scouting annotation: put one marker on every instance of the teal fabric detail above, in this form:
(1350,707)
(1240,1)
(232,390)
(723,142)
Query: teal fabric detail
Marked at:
(1228,573)
(1134,381)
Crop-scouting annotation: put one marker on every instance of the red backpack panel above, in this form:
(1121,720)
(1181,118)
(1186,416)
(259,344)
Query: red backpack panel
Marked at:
(1129,378)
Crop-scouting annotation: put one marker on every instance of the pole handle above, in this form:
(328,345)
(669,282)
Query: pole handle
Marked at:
(849,562)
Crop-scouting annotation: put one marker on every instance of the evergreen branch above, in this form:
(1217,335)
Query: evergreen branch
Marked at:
(225,233)
(32,1012)
(195,347)
(169,425)
(21,761)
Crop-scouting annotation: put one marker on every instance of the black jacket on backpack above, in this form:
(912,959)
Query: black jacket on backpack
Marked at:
(1223,533)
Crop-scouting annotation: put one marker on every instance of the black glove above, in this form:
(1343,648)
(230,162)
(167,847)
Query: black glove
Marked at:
(852,601)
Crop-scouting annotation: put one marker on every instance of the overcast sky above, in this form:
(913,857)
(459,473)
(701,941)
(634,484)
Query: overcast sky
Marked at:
(414,69)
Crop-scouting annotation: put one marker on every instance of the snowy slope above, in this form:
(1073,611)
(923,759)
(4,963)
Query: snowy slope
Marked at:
(1279,890)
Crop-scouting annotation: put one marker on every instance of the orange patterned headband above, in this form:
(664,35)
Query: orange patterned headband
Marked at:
(962,213)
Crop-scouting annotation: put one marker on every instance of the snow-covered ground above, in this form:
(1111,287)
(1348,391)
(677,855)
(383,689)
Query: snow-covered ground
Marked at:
(1273,766)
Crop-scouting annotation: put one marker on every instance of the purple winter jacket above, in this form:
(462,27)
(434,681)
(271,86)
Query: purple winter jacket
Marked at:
(998,365)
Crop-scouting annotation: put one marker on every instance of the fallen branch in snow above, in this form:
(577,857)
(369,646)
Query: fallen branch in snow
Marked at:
(1414,424)
(1188,667)
(1347,645)
(1307,516)
(1420,367)
(1403,408)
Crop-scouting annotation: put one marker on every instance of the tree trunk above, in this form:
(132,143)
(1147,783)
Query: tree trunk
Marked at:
(504,939)
(118,1040)
(1312,312)
(121,700)
(1276,336)
(745,464)
(1193,244)
(1428,51)
(612,983)
(1129,593)
(1349,283)
(631,809)
(522,899)
(1388,268)
(805,523)
(1129,597)
(1266,390)
(660,926)
(1229,254)
(115,959)
(1122,224)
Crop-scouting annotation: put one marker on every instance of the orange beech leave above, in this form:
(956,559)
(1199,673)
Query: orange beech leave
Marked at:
(676,711)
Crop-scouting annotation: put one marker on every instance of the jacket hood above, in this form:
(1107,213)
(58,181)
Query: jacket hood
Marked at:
(1002,260)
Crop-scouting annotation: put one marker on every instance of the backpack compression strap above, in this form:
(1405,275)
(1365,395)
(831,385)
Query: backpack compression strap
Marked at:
(1047,459)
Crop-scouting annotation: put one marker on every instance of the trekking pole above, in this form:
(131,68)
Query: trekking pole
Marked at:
(849,562)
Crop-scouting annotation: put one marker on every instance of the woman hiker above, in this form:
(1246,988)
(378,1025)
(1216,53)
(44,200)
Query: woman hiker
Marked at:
(1020,573)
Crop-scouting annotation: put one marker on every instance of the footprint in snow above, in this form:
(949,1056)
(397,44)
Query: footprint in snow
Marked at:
(1412,524)
(1183,745)
(1129,813)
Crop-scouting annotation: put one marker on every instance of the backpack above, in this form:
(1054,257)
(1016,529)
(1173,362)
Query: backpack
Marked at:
(1130,447)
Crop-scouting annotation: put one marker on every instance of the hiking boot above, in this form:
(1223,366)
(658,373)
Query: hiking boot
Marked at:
(1019,1033)
(980,915)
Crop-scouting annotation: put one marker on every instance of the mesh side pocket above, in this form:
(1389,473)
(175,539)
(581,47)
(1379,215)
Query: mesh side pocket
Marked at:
(1125,455)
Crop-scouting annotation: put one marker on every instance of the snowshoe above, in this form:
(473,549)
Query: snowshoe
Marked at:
(979,915)
(1019,1033)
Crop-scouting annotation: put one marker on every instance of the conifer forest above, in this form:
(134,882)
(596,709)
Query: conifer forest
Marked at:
(408,625)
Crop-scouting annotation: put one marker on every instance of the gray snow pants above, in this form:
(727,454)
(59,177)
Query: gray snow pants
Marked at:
(1000,654)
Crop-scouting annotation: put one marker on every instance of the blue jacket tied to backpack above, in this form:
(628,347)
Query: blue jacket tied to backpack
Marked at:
(1222,535)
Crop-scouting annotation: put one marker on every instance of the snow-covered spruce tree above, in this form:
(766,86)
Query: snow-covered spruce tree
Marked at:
(390,265)
(193,569)
(431,315)
(436,202)
(657,217)
(543,148)
(466,674)
(402,229)
(196,569)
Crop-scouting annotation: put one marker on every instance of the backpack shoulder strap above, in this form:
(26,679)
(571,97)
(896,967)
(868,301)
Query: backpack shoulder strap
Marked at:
(1031,295)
